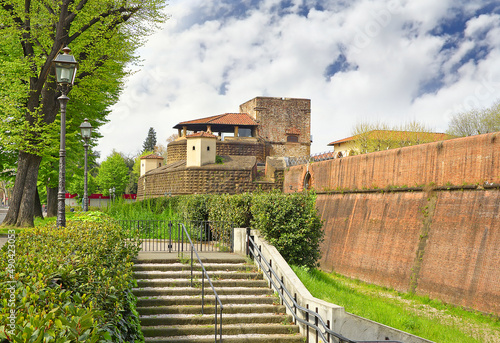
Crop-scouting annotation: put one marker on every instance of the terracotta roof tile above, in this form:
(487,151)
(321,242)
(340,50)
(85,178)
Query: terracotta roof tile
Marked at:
(152,157)
(224,119)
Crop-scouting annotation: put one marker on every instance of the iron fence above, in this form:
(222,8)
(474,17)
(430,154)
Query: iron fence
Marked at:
(322,156)
(167,235)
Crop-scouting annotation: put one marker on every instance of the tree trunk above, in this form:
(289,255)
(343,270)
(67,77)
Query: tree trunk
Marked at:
(52,201)
(38,206)
(21,209)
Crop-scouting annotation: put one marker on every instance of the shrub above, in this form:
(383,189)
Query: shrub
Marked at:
(234,209)
(193,207)
(290,222)
(71,284)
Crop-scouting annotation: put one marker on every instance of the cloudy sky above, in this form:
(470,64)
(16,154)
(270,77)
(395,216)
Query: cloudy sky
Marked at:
(391,61)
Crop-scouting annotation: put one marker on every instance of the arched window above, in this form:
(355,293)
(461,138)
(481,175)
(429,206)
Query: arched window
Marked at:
(292,139)
(307,181)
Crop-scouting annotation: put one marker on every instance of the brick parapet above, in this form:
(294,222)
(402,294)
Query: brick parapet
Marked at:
(461,161)
(203,181)
(176,151)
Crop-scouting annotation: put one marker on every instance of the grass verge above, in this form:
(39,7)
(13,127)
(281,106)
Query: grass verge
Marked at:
(420,316)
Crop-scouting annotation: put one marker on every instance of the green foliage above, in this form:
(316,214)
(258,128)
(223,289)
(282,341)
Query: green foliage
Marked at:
(417,315)
(194,207)
(113,173)
(371,137)
(150,142)
(71,284)
(290,222)
(231,208)
(475,122)
(164,208)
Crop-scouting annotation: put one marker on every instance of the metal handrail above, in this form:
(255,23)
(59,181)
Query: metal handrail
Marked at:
(282,290)
(203,274)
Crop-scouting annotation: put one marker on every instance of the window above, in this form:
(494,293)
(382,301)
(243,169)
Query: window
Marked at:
(194,148)
(292,139)
(208,148)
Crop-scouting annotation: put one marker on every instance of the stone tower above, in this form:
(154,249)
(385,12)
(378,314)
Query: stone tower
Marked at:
(284,124)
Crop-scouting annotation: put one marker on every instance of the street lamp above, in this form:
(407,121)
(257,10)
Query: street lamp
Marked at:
(86,130)
(65,66)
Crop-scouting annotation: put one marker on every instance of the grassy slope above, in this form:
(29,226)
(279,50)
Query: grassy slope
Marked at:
(420,316)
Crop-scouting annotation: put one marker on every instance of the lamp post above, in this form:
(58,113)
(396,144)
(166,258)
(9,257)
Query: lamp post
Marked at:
(86,131)
(65,66)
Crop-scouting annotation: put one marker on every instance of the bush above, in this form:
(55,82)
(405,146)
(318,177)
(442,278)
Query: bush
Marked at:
(71,284)
(290,222)
(234,209)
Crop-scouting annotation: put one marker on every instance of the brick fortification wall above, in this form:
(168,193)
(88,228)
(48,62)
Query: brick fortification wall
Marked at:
(278,118)
(176,151)
(453,162)
(203,181)
(438,241)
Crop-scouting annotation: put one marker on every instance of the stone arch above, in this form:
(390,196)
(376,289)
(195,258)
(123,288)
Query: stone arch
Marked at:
(306,185)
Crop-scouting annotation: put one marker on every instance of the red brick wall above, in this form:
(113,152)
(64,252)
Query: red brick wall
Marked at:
(376,237)
(459,161)
(434,241)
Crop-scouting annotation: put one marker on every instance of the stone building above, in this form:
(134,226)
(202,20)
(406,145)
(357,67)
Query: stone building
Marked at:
(250,147)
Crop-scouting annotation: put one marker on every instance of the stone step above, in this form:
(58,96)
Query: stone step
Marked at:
(225,260)
(196,300)
(144,283)
(196,309)
(208,319)
(171,331)
(180,291)
(181,266)
(250,338)
(183,275)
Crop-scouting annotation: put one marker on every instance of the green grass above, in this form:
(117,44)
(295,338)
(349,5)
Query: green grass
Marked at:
(414,314)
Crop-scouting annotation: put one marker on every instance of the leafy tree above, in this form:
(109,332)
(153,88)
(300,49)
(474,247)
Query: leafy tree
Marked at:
(113,173)
(371,137)
(150,142)
(475,122)
(103,35)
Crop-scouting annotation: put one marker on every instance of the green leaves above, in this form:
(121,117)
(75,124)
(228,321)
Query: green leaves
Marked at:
(113,173)
(72,284)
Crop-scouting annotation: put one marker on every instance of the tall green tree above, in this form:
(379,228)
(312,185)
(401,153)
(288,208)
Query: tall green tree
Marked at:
(103,35)
(475,122)
(150,142)
(113,173)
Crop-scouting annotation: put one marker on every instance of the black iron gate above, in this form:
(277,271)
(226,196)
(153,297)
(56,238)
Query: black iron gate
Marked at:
(168,236)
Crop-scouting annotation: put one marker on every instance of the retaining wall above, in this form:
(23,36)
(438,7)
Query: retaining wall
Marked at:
(423,218)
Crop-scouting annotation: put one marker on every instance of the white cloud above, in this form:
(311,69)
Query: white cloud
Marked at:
(396,66)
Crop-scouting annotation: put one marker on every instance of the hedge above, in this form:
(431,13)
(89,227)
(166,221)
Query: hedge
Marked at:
(69,284)
(288,221)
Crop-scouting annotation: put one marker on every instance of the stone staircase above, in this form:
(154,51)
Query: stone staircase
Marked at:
(170,310)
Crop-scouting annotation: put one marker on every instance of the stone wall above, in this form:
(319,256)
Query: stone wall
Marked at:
(280,117)
(176,151)
(423,218)
(236,148)
(203,181)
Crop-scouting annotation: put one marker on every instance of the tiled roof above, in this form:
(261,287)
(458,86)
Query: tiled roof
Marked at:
(391,134)
(201,134)
(292,131)
(151,157)
(224,119)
